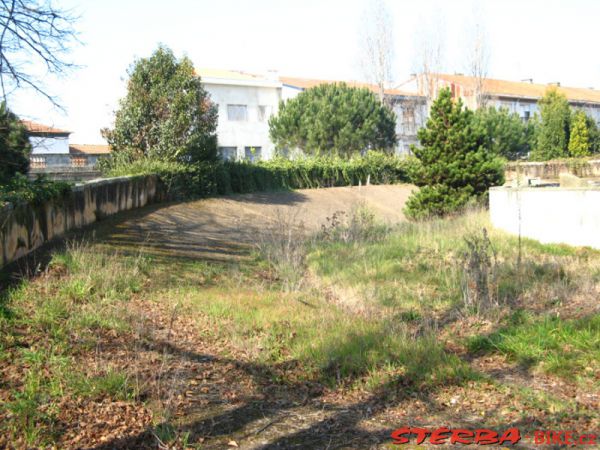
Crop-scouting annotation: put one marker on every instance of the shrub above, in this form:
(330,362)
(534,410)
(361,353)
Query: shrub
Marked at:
(456,165)
(40,190)
(334,120)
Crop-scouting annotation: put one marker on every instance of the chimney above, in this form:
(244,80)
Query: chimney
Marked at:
(272,75)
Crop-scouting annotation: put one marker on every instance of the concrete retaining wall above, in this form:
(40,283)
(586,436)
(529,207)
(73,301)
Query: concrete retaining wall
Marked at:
(551,170)
(549,215)
(25,227)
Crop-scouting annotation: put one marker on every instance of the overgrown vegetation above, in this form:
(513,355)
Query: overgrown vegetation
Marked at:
(83,295)
(356,309)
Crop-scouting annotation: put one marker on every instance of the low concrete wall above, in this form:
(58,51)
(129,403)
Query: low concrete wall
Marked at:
(66,173)
(551,170)
(25,227)
(550,215)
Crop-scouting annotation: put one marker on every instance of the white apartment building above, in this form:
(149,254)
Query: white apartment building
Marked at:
(245,103)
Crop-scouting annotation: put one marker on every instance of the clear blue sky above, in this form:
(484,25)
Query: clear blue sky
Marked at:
(547,40)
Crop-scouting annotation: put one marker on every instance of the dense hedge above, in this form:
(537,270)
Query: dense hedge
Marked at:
(207,179)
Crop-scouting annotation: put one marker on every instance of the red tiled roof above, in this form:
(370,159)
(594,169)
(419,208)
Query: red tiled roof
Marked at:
(34,127)
(306,83)
(522,89)
(89,149)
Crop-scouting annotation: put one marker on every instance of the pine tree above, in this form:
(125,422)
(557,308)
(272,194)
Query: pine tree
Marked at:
(14,145)
(456,165)
(553,133)
(334,119)
(579,141)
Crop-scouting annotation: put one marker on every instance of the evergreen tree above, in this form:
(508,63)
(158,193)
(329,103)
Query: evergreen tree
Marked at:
(506,134)
(334,119)
(166,115)
(594,134)
(14,145)
(456,165)
(579,140)
(553,132)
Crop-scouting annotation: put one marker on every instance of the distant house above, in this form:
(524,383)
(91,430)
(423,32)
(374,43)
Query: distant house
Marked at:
(53,155)
(246,101)
(520,97)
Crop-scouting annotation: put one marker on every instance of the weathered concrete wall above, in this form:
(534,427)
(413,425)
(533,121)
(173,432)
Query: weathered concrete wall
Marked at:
(551,170)
(550,215)
(25,227)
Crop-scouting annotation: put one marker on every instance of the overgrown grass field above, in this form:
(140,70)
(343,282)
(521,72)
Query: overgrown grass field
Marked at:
(105,345)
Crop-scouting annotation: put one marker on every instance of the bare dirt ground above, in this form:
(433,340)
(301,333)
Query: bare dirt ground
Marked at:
(220,228)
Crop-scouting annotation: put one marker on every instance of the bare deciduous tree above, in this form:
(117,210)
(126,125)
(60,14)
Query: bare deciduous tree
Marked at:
(377,45)
(479,64)
(429,54)
(34,36)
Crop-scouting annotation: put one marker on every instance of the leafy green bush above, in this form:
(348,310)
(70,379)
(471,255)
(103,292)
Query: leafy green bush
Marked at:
(21,190)
(205,179)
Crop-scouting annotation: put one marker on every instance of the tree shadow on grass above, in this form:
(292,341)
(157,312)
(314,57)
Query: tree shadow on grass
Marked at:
(294,414)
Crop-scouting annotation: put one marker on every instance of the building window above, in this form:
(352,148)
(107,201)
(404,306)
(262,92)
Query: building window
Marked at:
(252,154)
(237,112)
(408,119)
(263,113)
(526,116)
(228,153)
(37,162)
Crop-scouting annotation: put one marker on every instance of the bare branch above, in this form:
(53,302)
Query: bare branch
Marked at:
(377,45)
(33,33)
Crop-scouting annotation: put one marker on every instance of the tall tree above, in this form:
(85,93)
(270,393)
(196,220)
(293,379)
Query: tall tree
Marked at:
(14,145)
(334,119)
(166,114)
(33,32)
(377,45)
(456,165)
(579,139)
(429,55)
(506,134)
(479,63)
(553,130)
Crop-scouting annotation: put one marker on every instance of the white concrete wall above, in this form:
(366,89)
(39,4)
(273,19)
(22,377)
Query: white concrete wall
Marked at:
(549,215)
(45,145)
(252,132)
